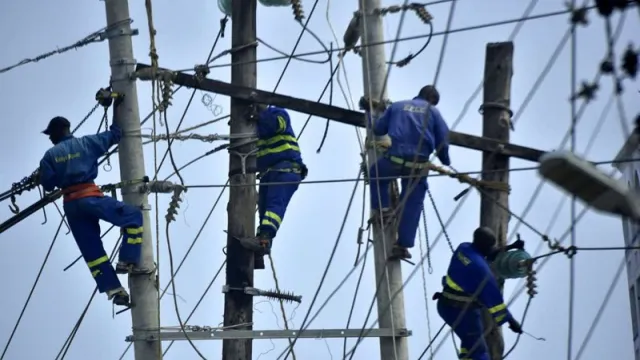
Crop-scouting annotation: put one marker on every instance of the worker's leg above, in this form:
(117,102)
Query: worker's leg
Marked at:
(467,325)
(413,193)
(125,216)
(86,232)
(276,202)
(263,191)
(380,182)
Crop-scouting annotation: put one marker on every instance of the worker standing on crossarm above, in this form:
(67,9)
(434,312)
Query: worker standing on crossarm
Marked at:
(416,129)
(72,165)
(278,161)
(468,287)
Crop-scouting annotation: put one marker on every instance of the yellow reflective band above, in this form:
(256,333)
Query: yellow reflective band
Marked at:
(267,222)
(274,217)
(452,284)
(282,124)
(98,261)
(275,139)
(499,318)
(279,149)
(463,350)
(497,308)
(135,231)
(95,273)
(134,241)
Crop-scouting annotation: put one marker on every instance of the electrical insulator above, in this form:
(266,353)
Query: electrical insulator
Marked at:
(174,205)
(511,264)
(531,281)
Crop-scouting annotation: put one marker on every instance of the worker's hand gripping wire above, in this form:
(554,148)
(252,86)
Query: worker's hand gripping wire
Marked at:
(105,98)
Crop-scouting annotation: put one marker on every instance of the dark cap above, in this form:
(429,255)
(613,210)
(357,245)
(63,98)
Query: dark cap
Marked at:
(430,93)
(484,240)
(56,124)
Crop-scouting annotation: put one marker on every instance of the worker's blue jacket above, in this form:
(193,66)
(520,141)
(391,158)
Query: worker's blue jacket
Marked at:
(277,144)
(75,160)
(466,274)
(411,123)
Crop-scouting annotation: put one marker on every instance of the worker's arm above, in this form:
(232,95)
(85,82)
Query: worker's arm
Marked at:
(441,136)
(380,127)
(491,297)
(46,174)
(272,121)
(100,143)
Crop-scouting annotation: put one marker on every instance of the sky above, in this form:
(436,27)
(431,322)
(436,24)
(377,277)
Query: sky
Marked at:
(65,84)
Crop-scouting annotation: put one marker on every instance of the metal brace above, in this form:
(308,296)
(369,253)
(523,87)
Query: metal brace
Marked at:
(243,158)
(112,33)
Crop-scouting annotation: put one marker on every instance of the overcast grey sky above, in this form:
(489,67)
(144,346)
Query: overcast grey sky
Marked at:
(65,85)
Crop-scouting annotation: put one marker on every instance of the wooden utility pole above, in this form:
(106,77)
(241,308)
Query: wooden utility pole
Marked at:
(388,273)
(143,288)
(498,71)
(238,306)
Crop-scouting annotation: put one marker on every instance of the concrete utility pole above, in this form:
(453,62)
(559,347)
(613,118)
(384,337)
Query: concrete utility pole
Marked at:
(238,306)
(388,273)
(498,71)
(143,288)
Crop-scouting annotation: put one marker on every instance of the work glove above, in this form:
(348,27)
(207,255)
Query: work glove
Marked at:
(515,326)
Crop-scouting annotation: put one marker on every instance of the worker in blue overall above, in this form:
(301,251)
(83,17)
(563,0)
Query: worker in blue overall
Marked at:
(72,165)
(470,286)
(416,129)
(278,160)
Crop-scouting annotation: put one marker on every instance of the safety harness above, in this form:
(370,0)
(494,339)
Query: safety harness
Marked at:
(453,295)
(292,167)
(420,165)
(81,191)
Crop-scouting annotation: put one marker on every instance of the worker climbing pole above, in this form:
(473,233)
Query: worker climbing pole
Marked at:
(105,98)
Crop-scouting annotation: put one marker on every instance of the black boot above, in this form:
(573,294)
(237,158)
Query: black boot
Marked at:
(399,253)
(258,262)
(119,297)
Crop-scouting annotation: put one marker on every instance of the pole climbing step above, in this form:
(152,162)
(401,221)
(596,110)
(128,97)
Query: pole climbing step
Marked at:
(214,333)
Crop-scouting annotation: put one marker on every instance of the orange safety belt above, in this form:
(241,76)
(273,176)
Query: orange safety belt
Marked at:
(81,191)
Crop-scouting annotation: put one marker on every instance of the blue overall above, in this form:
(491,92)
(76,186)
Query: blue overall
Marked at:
(469,274)
(278,160)
(73,163)
(404,122)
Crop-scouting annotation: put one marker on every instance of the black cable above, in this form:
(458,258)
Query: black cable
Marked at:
(67,344)
(295,47)
(580,112)
(184,258)
(324,274)
(355,297)
(195,307)
(326,126)
(33,288)
(574,121)
(518,21)
(341,180)
(175,297)
(223,23)
(452,10)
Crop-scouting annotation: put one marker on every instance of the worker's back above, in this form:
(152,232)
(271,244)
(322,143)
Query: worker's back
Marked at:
(466,269)
(75,159)
(277,141)
(415,128)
